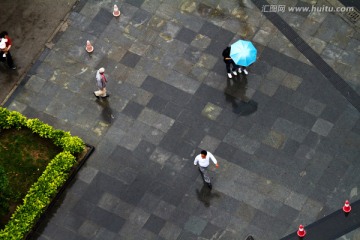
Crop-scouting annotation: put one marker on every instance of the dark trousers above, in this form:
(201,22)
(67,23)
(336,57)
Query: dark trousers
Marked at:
(205,176)
(8,59)
(230,63)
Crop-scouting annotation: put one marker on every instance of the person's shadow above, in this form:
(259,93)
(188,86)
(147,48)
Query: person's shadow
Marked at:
(235,90)
(205,195)
(106,113)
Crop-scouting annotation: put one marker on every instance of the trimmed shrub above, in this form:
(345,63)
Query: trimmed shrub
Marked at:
(55,175)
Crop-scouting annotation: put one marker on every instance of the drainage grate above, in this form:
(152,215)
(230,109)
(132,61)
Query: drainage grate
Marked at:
(353,16)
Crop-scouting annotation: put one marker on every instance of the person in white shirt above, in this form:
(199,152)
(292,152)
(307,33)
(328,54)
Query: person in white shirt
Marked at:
(202,161)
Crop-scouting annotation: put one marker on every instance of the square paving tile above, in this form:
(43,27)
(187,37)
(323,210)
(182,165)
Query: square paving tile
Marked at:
(88,229)
(275,139)
(104,16)
(130,59)
(170,231)
(186,35)
(314,107)
(132,109)
(164,210)
(195,225)
(140,17)
(211,111)
(225,151)
(322,127)
(209,143)
(106,219)
(154,224)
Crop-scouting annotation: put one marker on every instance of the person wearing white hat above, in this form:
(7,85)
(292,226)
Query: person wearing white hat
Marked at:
(101,83)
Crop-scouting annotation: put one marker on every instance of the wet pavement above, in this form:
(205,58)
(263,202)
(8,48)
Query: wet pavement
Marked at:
(286,136)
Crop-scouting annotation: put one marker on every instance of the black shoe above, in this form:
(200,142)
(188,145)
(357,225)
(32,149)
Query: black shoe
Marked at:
(209,185)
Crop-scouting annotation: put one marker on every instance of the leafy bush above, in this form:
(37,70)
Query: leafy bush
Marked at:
(16,119)
(4,113)
(54,176)
(4,192)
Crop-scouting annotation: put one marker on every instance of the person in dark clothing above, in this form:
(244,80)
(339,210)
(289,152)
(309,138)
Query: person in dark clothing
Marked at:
(228,61)
(5,52)
(230,64)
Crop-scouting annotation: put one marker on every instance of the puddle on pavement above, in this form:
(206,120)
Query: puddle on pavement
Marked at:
(205,195)
(207,11)
(235,93)
(107,112)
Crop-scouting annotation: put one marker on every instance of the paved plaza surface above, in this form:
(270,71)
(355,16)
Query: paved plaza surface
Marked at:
(286,136)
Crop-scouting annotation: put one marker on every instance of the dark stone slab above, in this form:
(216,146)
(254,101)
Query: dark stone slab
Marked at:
(103,182)
(287,213)
(220,68)
(154,224)
(72,222)
(144,150)
(83,208)
(186,35)
(225,151)
(215,48)
(210,30)
(130,59)
(185,235)
(172,110)
(210,230)
(95,28)
(104,16)
(160,189)
(132,109)
(136,190)
(140,17)
(106,219)
(262,220)
(136,3)
(227,118)
(283,94)
(165,91)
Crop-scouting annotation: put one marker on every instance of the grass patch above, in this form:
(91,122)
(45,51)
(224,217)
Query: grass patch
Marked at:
(24,156)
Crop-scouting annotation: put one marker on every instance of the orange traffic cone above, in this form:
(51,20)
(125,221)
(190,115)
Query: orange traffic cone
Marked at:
(116,11)
(89,47)
(347,207)
(301,232)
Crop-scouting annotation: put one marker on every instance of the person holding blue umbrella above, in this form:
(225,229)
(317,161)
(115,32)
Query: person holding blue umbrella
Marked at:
(230,64)
(243,54)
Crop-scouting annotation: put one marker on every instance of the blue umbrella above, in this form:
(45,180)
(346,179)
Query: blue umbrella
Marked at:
(243,53)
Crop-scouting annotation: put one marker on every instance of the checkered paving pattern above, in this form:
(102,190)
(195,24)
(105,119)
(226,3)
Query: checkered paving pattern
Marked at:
(287,141)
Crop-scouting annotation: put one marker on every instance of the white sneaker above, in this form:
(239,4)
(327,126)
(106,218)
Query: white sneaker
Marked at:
(246,72)
(235,73)
(229,75)
(239,70)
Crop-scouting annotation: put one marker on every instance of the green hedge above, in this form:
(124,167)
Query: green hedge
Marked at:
(48,184)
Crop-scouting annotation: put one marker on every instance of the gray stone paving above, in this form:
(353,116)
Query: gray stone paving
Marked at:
(287,157)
